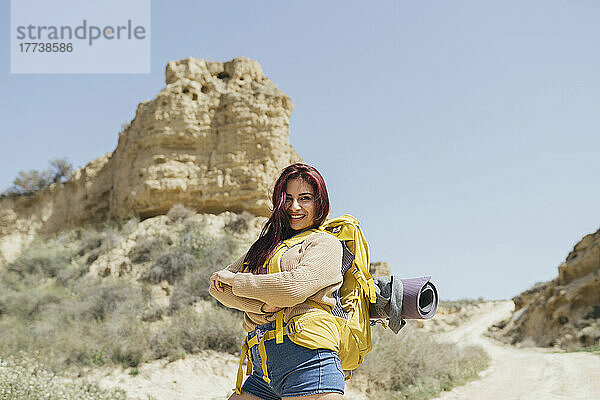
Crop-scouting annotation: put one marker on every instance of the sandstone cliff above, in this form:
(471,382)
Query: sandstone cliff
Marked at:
(214,139)
(564,312)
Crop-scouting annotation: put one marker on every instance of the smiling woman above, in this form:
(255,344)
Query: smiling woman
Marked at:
(300,204)
(310,273)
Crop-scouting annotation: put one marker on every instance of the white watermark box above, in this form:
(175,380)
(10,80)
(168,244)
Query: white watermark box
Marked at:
(74,36)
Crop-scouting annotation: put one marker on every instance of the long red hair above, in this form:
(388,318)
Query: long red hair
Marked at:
(277,228)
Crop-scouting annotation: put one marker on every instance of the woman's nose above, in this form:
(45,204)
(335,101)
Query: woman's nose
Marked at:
(295,205)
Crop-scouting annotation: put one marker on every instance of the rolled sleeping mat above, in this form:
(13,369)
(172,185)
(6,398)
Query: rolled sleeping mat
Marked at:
(400,299)
(419,298)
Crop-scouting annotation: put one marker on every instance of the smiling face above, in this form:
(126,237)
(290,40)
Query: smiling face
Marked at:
(300,204)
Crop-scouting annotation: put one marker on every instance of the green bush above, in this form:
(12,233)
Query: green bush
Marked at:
(224,251)
(210,253)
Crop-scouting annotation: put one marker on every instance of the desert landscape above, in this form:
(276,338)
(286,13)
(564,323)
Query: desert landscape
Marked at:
(104,270)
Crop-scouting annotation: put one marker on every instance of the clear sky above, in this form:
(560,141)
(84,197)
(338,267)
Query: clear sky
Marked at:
(465,135)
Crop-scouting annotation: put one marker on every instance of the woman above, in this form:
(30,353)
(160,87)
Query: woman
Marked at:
(310,273)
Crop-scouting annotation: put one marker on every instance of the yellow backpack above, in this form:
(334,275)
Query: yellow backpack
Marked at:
(351,312)
(348,321)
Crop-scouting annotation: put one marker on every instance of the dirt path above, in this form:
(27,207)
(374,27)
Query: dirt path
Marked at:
(523,373)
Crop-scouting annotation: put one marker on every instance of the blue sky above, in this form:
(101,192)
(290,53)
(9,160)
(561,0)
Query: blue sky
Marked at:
(464,135)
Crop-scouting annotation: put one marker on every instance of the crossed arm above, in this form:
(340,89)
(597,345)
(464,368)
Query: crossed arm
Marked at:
(221,283)
(318,268)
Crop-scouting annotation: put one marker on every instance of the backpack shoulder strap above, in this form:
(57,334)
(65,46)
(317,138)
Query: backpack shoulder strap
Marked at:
(272,263)
(347,228)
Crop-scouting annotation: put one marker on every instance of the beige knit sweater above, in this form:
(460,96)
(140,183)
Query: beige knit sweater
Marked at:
(309,270)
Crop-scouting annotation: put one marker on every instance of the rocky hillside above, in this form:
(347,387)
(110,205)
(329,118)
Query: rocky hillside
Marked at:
(564,312)
(214,139)
(123,293)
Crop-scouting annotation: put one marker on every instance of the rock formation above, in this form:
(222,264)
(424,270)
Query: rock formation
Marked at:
(564,312)
(214,139)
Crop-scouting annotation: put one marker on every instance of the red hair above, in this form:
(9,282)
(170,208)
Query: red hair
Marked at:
(277,228)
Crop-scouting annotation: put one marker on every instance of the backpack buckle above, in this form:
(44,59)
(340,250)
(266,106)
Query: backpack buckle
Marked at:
(292,328)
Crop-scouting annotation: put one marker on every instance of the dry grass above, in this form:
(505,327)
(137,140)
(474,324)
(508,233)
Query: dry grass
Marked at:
(412,365)
(23,378)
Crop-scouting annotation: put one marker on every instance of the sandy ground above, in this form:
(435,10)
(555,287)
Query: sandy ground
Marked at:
(523,373)
(514,373)
(207,376)
(210,375)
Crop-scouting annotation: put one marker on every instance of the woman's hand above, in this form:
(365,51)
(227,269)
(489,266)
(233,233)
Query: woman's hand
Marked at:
(218,278)
(267,309)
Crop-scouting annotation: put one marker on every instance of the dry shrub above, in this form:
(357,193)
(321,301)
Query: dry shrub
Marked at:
(193,288)
(148,248)
(29,182)
(94,243)
(179,213)
(189,331)
(90,322)
(170,267)
(211,251)
(239,225)
(42,259)
(100,298)
(412,365)
(23,378)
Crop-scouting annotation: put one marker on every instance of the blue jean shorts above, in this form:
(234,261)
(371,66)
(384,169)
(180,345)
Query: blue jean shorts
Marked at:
(294,370)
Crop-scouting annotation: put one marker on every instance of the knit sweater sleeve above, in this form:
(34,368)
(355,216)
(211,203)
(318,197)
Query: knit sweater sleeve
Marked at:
(318,268)
(228,299)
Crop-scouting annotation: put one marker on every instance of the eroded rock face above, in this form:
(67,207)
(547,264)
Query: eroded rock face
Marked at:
(214,139)
(564,312)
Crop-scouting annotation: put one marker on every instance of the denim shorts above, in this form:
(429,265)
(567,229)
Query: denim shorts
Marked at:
(294,370)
